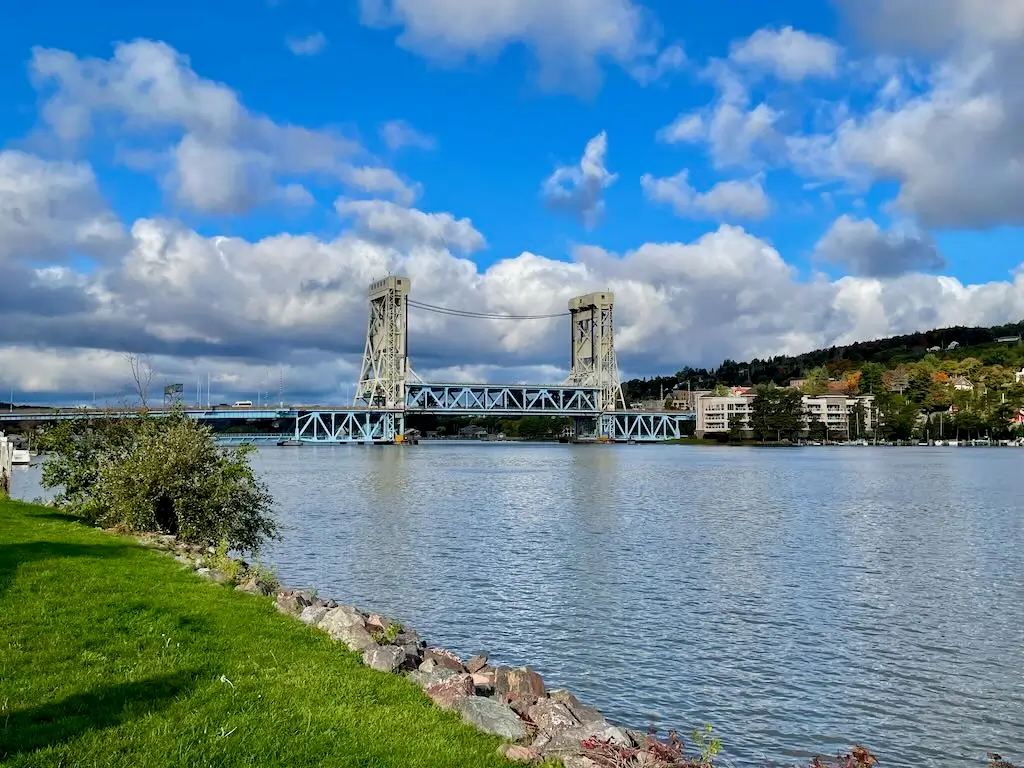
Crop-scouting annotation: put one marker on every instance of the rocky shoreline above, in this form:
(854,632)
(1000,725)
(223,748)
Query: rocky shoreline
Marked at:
(512,703)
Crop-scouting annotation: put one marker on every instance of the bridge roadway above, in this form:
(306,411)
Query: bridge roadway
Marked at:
(361,424)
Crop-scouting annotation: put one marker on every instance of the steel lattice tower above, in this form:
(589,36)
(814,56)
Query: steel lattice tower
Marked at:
(386,356)
(593,348)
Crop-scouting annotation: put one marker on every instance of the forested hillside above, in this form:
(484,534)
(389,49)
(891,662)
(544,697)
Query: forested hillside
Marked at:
(977,343)
(954,381)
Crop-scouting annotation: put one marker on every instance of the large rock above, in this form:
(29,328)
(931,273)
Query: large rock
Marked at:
(568,741)
(291,602)
(578,761)
(340,618)
(583,713)
(425,678)
(313,614)
(345,625)
(491,716)
(521,683)
(484,682)
(444,658)
(551,716)
(354,636)
(446,692)
(255,586)
(409,637)
(385,659)
(476,663)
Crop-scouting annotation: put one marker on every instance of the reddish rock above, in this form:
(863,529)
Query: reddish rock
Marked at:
(484,682)
(444,658)
(476,663)
(445,692)
(520,704)
(521,683)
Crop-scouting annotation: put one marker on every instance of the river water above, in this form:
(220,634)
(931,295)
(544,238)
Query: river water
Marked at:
(799,600)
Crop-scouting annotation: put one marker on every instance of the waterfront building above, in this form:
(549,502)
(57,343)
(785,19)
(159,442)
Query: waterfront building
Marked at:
(720,413)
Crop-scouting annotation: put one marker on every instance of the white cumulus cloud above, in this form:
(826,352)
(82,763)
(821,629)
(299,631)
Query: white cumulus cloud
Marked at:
(570,39)
(227,160)
(787,53)
(733,198)
(579,189)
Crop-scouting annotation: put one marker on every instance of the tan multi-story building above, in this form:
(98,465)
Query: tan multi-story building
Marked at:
(837,411)
(719,413)
(722,413)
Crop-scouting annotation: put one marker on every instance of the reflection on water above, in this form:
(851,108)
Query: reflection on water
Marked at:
(799,600)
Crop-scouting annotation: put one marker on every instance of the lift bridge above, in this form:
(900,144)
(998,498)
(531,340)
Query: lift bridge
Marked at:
(388,389)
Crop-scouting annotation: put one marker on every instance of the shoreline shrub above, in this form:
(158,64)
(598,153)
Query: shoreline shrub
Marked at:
(164,475)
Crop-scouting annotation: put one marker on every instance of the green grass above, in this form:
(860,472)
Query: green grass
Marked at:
(114,655)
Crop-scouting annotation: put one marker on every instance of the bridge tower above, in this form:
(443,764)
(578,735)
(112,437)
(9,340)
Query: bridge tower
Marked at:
(593,348)
(386,356)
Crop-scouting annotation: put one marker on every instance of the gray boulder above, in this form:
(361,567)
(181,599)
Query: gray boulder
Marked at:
(354,636)
(337,619)
(490,716)
(552,716)
(313,614)
(586,715)
(425,678)
(384,659)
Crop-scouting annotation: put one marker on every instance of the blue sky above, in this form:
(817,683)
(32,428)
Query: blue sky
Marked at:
(498,133)
(840,189)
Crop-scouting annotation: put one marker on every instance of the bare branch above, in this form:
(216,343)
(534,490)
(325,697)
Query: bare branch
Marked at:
(142,375)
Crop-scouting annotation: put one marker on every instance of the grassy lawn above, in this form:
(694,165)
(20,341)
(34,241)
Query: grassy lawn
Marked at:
(114,655)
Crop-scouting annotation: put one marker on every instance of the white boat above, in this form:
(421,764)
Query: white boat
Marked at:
(19,456)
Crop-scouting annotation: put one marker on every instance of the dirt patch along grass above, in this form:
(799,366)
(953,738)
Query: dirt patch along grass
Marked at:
(114,655)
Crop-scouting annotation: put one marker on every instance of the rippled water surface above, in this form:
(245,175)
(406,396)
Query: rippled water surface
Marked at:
(799,600)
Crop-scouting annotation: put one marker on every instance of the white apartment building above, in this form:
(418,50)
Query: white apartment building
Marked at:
(717,413)
(835,412)
(720,413)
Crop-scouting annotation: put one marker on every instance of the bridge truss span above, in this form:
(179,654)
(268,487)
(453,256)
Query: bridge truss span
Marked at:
(348,426)
(499,400)
(640,427)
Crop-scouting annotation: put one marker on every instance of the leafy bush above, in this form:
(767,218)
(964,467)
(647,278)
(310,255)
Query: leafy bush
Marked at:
(159,474)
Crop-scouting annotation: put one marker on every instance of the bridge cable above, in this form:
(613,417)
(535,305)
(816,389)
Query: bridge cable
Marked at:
(478,315)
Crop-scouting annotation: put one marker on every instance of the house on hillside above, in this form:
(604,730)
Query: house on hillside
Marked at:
(1019,376)
(962,384)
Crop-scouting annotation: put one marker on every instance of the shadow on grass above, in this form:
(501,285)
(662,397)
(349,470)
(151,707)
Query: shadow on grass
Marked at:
(34,728)
(14,555)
